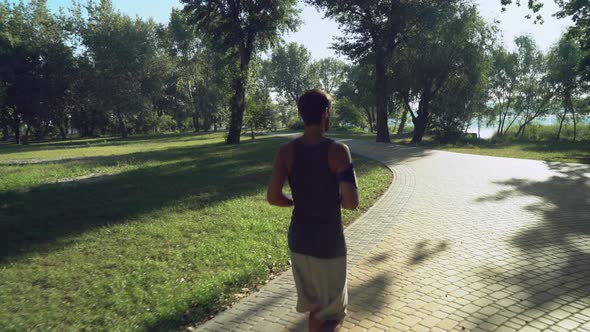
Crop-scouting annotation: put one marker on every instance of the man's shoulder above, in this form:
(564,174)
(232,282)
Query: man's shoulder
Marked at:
(285,149)
(339,148)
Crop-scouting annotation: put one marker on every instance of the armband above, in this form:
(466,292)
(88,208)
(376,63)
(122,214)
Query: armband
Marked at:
(347,175)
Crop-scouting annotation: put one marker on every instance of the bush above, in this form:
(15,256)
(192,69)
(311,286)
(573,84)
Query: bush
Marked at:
(538,132)
(296,125)
(166,123)
(447,135)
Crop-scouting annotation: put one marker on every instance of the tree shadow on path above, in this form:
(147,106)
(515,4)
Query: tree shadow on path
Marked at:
(554,253)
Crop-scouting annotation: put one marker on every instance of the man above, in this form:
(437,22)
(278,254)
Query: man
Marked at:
(322,179)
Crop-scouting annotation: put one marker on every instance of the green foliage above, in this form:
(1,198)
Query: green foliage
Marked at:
(441,70)
(290,71)
(358,90)
(241,29)
(331,73)
(563,62)
(347,115)
(296,125)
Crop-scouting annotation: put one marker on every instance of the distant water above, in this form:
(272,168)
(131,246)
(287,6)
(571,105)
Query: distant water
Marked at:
(489,131)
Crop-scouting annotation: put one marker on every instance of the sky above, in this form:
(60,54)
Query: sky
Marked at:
(316,32)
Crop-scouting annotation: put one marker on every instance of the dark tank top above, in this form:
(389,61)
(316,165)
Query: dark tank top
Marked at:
(316,224)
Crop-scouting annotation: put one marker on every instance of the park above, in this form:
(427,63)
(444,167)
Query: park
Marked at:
(136,153)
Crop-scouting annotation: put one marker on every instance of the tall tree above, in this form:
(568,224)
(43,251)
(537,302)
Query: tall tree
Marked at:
(332,72)
(357,89)
(563,61)
(373,30)
(535,92)
(451,52)
(199,87)
(242,27)
(579,12)
(290,71)
(503,84)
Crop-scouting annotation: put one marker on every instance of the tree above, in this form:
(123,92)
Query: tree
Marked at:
(357,88)
(503,84)
(579,12)
(127,63)
(290,71)
(347,114)
(35,65)
(373,30)
(241,28)
(535,92)
(199,84)
(332,72)
(563,62)
(449,54)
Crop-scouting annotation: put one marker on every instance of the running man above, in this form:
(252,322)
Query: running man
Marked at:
(322,179)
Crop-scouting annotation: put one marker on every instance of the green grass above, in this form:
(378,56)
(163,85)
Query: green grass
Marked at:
(548,150)
(142,233)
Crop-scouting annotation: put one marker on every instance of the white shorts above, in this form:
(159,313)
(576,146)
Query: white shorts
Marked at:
(321,285)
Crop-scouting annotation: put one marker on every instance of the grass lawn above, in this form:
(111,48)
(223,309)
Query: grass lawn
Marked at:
(141,233)
(562,151)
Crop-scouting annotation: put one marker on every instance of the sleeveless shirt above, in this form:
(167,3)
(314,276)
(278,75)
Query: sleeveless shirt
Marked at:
(316,224)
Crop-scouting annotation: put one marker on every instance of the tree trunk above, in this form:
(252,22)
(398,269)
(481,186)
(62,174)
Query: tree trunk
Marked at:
(122,126)
(479,126)
(561,124)
(370,119)
(421,121)
(196,122)
(4,132)
(574,116)
(238,102)
(520,131)
(63,132)
(16,127)
(92,127)
(206,123)
(381,98)
(27,133)
(402,125)
(502,123)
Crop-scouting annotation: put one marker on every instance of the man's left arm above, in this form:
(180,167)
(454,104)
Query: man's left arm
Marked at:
(274,194)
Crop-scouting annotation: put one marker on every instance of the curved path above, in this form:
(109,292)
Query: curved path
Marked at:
(458,243)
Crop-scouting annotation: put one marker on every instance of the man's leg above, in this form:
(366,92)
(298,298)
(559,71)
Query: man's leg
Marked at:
(315,324)
(331,326)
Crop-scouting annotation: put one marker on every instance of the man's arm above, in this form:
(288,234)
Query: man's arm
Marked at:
(342,162)
(274,194)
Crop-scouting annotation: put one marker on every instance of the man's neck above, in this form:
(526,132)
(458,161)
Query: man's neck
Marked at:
(313,134)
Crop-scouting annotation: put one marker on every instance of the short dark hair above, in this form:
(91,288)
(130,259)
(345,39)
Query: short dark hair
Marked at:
(312,104)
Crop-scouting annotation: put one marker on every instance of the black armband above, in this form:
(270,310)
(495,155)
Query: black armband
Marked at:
(347,175)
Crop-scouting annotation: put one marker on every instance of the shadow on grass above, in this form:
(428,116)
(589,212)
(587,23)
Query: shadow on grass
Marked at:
(554,267)
(41,219)
(11,148)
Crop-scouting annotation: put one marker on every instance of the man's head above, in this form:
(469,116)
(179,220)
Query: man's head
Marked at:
(314,107)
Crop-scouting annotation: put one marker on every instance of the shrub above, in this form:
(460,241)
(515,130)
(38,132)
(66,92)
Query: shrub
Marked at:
(296,125)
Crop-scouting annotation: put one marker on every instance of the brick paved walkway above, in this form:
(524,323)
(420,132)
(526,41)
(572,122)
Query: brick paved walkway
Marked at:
(458,243)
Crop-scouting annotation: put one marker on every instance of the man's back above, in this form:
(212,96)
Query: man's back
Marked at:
(316,225)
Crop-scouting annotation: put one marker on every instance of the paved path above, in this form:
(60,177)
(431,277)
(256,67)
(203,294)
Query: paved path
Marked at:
(458,243)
